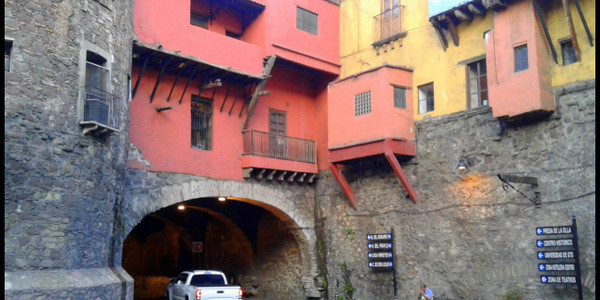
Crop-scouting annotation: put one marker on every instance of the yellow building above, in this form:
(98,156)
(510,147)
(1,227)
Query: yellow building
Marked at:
(450,58)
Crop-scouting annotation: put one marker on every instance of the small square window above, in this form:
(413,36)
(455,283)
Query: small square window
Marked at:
(521,59)
(568,52)
(362,103)
(307,21)
(7,50)
(426,101)
(198,19)
(234,35)
(399,97)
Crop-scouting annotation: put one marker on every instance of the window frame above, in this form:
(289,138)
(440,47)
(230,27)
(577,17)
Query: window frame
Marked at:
(361,109)
(8,52)
(198,14)
(521,65)
(479,89)
(420,89)
(208,113)
(300,22)
(562,43)
(402,88)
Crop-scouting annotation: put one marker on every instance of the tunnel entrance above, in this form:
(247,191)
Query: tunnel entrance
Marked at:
(253,247)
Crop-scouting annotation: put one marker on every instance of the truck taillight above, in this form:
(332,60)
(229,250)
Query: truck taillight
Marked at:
(198,294)
(240,293)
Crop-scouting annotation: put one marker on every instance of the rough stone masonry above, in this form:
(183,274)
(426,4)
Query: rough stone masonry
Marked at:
(468,237)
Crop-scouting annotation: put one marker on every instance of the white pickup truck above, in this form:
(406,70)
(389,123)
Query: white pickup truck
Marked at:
(202,285)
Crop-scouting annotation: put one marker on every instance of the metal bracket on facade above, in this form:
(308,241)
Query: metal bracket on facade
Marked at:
(533,181)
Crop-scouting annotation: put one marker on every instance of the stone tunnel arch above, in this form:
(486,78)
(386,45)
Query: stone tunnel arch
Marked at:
(294,209)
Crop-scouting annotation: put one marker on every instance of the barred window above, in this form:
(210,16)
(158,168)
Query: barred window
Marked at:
(201,123)
(362,103)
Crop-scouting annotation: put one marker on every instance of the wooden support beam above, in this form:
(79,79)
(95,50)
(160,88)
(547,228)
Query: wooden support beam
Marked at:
(226,95)
(186,86)
(440,34)
(266,73)
(174,84)
(463,15)
(160,75)
(270,176)
(343,184)
(451,29)
(137,82)
(159,109)
(244,103)
(477,9)
(246,172)
(260,174)
(540,16)
(264,93)
(301,178)
(574,41)
(235,99)
(494,4)
(212,85)
(311,178)
(291,177)
(585,25)
(391,158)
(281,176)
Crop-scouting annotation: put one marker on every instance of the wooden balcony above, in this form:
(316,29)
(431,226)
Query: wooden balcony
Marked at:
(273,156)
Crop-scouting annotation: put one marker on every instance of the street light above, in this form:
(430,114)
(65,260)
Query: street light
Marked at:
(222,199)
(181,207)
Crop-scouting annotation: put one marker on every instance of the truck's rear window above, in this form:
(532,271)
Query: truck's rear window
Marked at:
(207,279)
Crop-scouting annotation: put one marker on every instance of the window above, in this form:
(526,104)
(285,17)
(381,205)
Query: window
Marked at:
(7,49)
(98,100)
(362,103)
(277,134)
(234,35)
(568,53)
(399,97)
(389,19)
(307,21)
(521,60)
(201,122)
(477,89)
(198,19)
(426,103)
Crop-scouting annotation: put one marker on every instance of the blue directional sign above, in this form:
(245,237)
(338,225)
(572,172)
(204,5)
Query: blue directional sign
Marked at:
(540,255)
(378,255)
(554,230)
(554,243)
(379,237)
(561,279)
(376,246)
(556,267)
(555,254)
(381,264)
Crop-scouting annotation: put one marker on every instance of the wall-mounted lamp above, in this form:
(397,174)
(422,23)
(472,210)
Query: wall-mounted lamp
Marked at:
(464,163)
(180,207)
(222,199)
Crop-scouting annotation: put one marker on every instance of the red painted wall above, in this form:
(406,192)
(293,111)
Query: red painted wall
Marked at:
(168,23)
(514,93)
(384,120)
(304,66)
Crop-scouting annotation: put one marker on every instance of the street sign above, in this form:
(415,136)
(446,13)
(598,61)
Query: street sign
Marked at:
(379,237)
(380,255)
(196,247)
(558,279)
(565,248)
(381,264)
(554,243)
(556,267)
(555,254)
(379,246)
(554,230)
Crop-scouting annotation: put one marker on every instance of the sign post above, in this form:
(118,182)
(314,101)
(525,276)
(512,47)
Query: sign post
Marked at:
(563,257)
(382,259)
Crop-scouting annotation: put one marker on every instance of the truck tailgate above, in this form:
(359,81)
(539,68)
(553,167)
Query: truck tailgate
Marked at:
(219,293)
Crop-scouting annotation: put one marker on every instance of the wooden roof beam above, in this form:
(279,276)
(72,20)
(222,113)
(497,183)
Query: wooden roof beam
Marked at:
(477,9)
(440,33)
(268,66)
(574,42)
(463,15)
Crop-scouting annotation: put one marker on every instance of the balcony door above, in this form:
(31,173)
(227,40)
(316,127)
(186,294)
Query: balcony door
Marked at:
(277,134)
(390,20)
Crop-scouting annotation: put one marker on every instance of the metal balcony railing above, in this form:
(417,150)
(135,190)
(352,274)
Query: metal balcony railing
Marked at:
(387,23)
(99,107)
(279,146)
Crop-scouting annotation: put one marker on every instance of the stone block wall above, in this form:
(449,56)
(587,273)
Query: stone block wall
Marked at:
(61,188)
(468,237)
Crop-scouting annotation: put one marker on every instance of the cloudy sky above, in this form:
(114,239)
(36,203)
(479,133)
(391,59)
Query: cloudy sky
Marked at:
(438,6)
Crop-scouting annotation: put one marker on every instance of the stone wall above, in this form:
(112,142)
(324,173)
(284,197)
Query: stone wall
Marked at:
(61,187)
(468,237)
